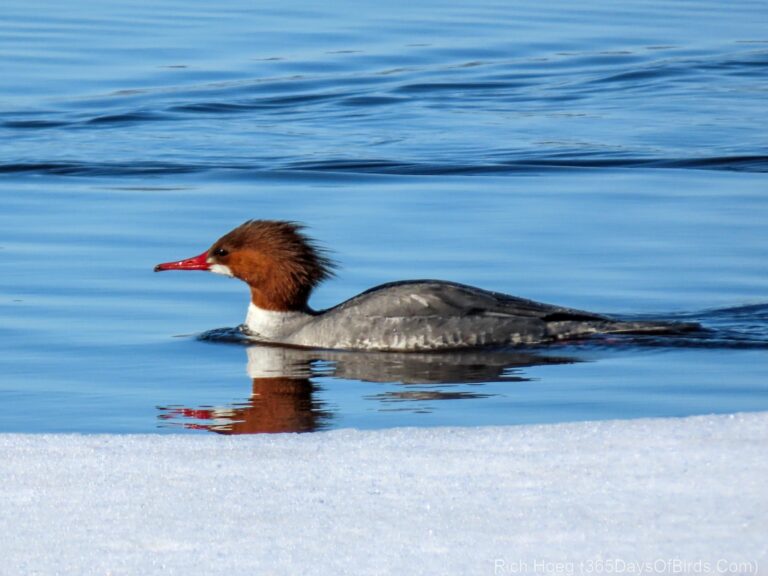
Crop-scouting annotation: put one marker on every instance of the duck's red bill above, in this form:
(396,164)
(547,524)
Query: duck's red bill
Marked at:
(197,263)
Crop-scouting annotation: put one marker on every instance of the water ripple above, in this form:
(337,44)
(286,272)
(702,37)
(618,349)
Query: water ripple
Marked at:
(757,164)
(426,110)
(96,169)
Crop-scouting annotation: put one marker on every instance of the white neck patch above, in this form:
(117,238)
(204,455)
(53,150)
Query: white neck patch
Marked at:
(271,325)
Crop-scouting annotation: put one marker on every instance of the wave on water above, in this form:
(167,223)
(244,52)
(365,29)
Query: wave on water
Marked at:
(739,327)
(641,109)
(385,167)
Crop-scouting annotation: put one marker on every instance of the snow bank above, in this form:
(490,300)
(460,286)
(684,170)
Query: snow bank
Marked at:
(677,496)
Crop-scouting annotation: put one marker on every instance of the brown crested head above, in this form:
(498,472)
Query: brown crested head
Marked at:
(276,259)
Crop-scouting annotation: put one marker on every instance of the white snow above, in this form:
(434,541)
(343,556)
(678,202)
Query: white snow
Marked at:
(677,496)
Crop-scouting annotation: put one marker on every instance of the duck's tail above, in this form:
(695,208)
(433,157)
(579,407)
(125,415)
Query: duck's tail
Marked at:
(655,328)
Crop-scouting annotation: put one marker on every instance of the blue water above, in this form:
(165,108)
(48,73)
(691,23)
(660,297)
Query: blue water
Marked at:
(605,156)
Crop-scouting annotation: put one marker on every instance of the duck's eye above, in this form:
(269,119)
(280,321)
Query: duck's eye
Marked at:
(221,252)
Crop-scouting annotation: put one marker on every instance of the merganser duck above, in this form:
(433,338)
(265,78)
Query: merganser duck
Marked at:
(282,266)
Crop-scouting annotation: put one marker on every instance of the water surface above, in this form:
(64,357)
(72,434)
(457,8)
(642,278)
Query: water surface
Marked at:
(606,157)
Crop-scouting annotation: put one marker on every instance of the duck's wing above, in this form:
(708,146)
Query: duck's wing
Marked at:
(435,298)
(436,315)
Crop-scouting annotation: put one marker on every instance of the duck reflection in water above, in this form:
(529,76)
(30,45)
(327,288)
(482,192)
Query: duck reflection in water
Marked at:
(285,383)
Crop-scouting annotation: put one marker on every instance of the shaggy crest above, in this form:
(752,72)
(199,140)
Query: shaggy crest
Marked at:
(279,262)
